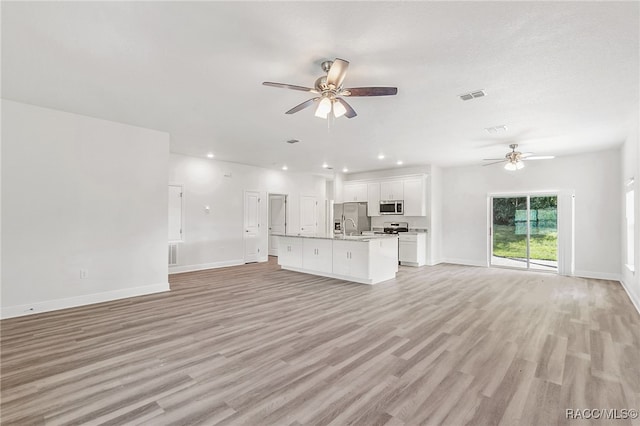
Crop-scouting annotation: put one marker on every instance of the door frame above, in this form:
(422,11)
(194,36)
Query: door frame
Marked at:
(526,194)
(286,217)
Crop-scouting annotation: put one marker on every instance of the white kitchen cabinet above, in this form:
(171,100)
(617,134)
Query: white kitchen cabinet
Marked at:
(290,252)
(366,260)
(415,197)
(351,258)
(317,254)
(412,249)
(392,190)
(354,192)
(373,199)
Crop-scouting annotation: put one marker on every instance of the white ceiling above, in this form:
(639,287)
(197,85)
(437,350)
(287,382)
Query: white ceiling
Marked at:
(562,76)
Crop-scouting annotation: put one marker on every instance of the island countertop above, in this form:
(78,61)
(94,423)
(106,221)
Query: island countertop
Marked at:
(339,237)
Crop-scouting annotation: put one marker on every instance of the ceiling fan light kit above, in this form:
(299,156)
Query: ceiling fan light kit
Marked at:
(515,158)
(331,91)
(513,166)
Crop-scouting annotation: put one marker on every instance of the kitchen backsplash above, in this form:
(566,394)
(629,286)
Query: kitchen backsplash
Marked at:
(414,222)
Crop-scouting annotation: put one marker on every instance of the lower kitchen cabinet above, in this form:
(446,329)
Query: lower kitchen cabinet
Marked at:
(412,249)
(351,258)
(366,259)
(317,254)
(290,252)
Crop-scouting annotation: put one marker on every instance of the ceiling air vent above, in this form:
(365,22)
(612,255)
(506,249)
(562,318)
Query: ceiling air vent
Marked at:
(472,95)
(292,141)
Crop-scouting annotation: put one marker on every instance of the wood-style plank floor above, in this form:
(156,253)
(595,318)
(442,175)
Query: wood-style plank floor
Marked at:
(256,345)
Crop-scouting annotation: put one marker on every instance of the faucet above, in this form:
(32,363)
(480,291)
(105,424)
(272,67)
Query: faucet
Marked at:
(344,227)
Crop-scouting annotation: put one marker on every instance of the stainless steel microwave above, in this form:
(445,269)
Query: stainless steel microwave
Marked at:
(391,207)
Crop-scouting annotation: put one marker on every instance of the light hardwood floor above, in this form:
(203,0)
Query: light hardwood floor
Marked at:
(258,345)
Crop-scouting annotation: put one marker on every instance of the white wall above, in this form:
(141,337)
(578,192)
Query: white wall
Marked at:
(80,193)
(595,178)
(215,239)
(630,159)
(434,203)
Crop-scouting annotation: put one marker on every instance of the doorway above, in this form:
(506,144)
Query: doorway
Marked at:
(277,220)
(524,232)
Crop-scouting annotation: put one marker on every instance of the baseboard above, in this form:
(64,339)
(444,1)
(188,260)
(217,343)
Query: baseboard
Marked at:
(635,299)
(465,262)
(203,266)
(597,275)
(434,262)
(73,302)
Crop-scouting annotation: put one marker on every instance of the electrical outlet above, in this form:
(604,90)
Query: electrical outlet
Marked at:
(84,273)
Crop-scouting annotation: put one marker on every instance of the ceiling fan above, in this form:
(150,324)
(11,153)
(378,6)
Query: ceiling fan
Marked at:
(515,158)
(331,92)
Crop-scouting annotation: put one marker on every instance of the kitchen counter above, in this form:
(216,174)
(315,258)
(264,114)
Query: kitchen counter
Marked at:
(366,259)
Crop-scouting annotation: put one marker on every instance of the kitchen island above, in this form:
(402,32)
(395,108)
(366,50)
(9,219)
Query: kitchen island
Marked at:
(361,259)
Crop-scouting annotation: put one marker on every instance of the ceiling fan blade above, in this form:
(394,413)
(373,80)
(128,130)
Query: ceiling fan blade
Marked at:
(302,106)
(495,162)
(337,72)
(350,111)
(494,159)
(371,91)
(540,157)
(289,86)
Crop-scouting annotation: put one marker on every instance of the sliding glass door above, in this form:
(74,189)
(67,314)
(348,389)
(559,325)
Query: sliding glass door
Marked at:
(524,232)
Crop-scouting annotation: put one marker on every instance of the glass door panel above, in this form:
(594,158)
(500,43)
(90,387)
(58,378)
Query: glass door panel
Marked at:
(525,232)
(543,231)
(509,232)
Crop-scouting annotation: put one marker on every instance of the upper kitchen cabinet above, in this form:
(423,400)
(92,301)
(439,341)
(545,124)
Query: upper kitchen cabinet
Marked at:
(355,192)
(412,189)
(415,197)
(392,190)
(373,199)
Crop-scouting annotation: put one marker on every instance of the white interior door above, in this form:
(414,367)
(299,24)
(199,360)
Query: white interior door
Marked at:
(277,220)
(251,226)
(308,215)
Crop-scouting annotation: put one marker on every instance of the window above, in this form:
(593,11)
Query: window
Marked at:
(630,220)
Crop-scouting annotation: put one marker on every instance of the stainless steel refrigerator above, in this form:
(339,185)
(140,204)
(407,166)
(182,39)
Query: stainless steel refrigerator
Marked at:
(350,218)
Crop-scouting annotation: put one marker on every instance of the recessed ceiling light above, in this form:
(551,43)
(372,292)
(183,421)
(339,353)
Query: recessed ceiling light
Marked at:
(325,165)
(380,156)
(210,155)
(345,170)
(285,167)
(399,162)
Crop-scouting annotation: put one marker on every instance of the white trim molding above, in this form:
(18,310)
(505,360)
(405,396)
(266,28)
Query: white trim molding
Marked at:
(465,262)
(635,299)
(88,299)
(203,266)
(598,275)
